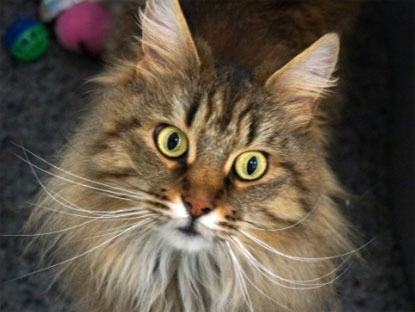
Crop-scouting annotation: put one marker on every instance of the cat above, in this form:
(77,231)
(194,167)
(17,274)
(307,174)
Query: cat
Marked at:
(198,179)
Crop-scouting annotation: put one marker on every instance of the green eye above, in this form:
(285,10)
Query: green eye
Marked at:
(172,142)
(250,165)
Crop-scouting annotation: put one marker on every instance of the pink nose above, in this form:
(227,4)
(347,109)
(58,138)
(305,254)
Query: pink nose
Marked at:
(197,207)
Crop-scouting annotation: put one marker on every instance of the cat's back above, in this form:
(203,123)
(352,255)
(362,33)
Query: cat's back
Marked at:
(248,33)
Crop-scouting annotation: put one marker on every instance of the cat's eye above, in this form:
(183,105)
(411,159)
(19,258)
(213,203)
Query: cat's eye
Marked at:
(250,166)
(172,142)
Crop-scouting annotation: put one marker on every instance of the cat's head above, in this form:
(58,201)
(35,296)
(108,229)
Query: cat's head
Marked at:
(210,149)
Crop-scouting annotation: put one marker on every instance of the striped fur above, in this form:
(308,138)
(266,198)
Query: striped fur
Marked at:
(115,203)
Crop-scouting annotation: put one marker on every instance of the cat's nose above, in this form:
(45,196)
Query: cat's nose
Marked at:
(197,207)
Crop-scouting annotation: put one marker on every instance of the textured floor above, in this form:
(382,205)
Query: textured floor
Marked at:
(39,105)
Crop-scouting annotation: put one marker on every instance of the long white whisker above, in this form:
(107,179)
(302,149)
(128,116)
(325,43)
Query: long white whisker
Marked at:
(305,283)
(103,217)
(304,259)
(296,223)
(72,206)
(49,193)
(75,182)
(235,260)
(117,197)
(71,227)
(116,230)
(49,233)
(76,257)
(72,174)
(110,215)
(238,271)
(62,211)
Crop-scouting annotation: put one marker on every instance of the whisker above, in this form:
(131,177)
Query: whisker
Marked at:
(75,182)
(235,260)
(25,150)
(117,197)
(49,233)
(304,259)
(103,217)
(71,227)
(49,193)
(61,211)
(239,274)
(72,206)
(291,225)
(75,257)
(117,229)
(261,268)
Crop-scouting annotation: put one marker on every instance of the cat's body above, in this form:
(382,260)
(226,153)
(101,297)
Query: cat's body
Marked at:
(140,228)
(248,33)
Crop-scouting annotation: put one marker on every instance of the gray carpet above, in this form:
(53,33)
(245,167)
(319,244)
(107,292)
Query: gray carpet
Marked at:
(39,105)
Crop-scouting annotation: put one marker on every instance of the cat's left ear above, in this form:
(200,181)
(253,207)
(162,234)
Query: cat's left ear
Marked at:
(167,43)
(305,79)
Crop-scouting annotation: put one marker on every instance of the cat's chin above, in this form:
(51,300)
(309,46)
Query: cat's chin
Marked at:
(185,238)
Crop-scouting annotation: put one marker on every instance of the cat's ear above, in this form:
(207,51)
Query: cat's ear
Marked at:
(305,79)
(166,41)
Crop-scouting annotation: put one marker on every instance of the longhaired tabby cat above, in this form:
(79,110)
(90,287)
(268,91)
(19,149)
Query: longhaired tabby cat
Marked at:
(198,180)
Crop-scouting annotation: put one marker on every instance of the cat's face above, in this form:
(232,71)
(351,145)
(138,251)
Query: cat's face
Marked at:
(214,156)
(214,150)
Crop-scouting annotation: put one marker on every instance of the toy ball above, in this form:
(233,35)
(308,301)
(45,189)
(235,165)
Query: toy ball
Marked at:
(84,27)
(26,39)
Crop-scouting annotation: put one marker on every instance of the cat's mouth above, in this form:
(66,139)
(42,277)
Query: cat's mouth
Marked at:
(186,232)
(186,236)
(189,230)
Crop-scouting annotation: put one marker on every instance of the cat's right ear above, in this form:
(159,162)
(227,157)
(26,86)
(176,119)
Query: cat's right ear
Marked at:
(166,42)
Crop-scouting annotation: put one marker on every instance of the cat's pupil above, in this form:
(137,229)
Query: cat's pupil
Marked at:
(173,141)
(252,165)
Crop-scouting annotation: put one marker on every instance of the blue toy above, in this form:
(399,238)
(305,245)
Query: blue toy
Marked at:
(26,39)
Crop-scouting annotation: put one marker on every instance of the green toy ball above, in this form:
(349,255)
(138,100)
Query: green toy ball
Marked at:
(27,39)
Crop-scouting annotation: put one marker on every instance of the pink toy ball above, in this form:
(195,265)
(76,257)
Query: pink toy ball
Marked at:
(84,27)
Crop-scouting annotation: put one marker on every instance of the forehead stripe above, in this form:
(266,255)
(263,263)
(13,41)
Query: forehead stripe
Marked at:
(209,104)
(252,130)
(228,104)
(241,117)
(194,107)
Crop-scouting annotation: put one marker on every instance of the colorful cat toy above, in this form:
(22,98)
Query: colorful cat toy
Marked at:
(81,26)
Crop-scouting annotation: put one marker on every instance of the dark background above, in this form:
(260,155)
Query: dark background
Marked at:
(373,153)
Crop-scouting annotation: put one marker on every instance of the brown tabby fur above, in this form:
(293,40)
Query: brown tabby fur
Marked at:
(223,88)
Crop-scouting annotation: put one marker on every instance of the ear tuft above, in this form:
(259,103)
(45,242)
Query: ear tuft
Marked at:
(166,39)
(307,77)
